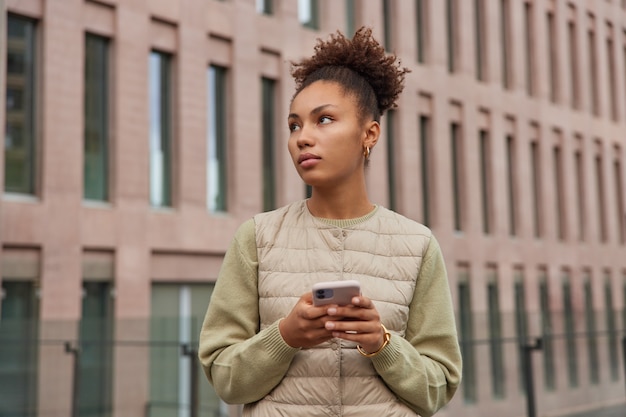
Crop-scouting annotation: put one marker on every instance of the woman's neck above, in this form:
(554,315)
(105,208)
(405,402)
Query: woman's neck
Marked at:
(339,205)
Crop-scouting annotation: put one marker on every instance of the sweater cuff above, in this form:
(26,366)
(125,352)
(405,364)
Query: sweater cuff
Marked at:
(389,355)
(276,346)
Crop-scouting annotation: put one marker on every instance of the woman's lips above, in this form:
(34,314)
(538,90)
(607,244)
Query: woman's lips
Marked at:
(307,160)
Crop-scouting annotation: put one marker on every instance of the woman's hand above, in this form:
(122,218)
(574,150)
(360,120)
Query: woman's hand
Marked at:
(358,322)
(305,325)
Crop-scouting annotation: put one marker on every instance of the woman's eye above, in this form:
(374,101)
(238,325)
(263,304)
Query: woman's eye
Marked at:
(293,127)
(325,120)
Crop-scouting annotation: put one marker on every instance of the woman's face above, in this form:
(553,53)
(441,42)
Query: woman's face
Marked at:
(328,136)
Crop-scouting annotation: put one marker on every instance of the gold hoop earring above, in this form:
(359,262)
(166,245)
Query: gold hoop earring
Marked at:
(366,152)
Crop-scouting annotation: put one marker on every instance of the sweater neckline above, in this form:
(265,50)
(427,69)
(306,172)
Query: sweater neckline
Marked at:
(343,223)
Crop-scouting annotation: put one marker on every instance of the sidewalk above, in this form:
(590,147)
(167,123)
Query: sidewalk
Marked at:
(619,411)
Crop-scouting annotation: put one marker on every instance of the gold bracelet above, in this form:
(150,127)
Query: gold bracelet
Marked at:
(386,340)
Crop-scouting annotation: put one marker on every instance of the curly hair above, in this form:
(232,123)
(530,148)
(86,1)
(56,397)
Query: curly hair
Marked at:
(361,66)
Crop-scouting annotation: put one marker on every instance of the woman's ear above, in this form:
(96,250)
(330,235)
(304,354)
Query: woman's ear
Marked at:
(372,133)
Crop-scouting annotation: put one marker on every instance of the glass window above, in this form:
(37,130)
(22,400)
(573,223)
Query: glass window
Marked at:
(350,17)
(96,146)
(451,25)
(624,63)
(559,214)
(580,194)
(480,39)
(570,330)
(19,311)
(160,129)
(602,232)
(511,183)
(612,77)
(391,159)
(426,168)
(466,336)
(573,59)
(387,25)
(269,146)
(457,174)
(422,29)
(217,158)
(521,320)
(611,327)
(177,312)
(619,200)
(535,172)
(265,6)
(20,145)
(496,348)
(506,44)
(547,333)
(308,13)
(592,331)
(96,332)
(485,178)
(529,30)
(593,69)
(552,55)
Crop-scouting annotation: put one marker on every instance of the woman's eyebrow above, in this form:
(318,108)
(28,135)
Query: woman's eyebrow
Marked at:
(315,111)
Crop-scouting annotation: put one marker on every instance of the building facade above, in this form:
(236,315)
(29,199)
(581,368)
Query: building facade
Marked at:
(139,134)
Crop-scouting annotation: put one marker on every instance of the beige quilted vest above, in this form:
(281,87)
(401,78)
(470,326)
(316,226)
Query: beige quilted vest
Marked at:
(296,250)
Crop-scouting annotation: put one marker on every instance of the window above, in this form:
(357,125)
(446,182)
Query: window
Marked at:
(160,129)
(451,24)
(457,174)
(552,56)
(19,311)
(350,17)
(265,7)
(421,12)
(96,332)
(602,227)
(536,187)
(20,144)
(391,158)
(521,320)
(268,87)
(511,183)
(592,332)
(570,330)
(619,199)
(580,194)
(480,41)
(611,327)
(529,42)
(217,140)
(388,25)
(506,44)
(466,336)
(559,197)
(177,313)
(308,13)
(496,349)
(593,68)
(612,76)
(572,43)
(549,367)
(425,168)
(624,63)
(485,178)
(96,146)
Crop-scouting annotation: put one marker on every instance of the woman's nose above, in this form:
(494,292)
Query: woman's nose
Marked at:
(305,137)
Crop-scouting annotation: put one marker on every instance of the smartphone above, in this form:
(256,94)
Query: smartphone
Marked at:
(335,292)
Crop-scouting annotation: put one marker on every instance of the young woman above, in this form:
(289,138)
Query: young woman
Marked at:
(393,351)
